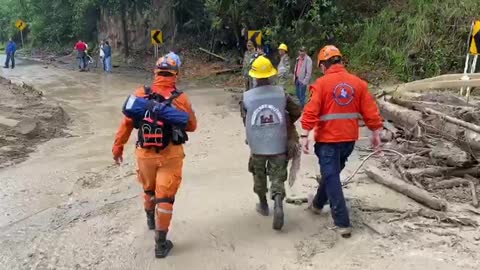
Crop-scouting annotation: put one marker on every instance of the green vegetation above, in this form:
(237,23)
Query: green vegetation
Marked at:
(408,39)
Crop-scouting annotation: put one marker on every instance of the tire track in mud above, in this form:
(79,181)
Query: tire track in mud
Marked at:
(48,237)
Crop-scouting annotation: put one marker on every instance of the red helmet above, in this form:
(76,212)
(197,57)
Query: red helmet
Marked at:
(166,64)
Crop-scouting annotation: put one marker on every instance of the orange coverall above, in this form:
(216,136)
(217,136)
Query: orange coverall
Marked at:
(159,173)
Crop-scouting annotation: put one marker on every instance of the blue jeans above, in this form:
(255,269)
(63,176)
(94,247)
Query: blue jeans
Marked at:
(10,57)
(107,64)
(301,91)
(332,157)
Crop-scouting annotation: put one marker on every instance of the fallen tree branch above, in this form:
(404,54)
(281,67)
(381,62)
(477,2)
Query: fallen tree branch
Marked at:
(438,216)
(411,191)
(473,189)
(443,171)
(453,120)
(451,183)
(213,54)
(347,181)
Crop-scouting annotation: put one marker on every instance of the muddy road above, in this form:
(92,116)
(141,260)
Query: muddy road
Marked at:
(68,207)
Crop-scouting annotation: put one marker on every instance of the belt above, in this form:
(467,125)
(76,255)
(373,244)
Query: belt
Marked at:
(338,116)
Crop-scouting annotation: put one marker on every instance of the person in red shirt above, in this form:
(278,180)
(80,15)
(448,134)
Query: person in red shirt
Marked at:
(81,48)
(338,100)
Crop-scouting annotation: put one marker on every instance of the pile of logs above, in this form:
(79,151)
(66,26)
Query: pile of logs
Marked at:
(441,147)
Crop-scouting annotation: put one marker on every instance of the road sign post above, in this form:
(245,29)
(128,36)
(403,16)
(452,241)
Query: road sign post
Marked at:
(156,38)
(473,49)
(255,36)
(21,25)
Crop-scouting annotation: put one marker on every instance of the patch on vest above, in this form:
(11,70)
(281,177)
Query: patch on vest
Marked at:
(343,94)
(266,115)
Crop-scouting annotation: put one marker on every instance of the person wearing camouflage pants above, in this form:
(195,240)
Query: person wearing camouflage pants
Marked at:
(269,116)
(275,167)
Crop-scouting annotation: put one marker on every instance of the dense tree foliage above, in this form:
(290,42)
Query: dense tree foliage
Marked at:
(411,38)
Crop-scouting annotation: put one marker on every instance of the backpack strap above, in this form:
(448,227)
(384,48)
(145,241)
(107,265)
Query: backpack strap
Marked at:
(175,94)
(147,89)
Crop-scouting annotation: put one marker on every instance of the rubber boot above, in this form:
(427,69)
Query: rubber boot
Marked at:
(262,206)
(278,212)
(150,219)
(162,245)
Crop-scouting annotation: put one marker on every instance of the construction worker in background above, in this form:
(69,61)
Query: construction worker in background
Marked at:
(338,100)
(283,65)
(159,149)
(247,58)
(302,74)
(269,115)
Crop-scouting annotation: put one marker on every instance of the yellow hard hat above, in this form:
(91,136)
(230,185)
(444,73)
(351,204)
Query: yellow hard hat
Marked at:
(283,46)
(262,68)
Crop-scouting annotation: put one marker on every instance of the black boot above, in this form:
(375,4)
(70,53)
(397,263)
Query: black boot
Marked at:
(262,206)
(278,212)
(150,219)
(162,245)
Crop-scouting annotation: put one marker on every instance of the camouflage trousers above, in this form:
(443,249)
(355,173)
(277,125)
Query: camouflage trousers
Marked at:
(275,167)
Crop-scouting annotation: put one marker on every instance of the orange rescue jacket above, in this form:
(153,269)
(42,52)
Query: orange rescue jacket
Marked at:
(338,100)
(163,86)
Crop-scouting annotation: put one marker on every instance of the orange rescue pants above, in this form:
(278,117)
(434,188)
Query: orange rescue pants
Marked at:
(161,178)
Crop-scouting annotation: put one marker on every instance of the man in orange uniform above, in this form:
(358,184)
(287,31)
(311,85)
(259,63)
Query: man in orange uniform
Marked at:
(338,100)
(159,169)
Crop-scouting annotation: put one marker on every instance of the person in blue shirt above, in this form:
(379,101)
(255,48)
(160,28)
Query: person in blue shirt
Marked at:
(10,51)
(107,58)
(173,54)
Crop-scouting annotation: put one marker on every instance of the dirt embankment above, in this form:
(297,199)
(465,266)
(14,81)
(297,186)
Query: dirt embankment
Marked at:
(26,120)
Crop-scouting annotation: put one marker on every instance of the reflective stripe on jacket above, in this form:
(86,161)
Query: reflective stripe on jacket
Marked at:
(338,100)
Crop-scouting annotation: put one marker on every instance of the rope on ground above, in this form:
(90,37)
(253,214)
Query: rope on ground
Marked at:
(350,178)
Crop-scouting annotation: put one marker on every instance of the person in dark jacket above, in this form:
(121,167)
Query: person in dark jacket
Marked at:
(10,51)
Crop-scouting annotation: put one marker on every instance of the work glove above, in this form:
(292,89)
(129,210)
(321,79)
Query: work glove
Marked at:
(117,152)
(375,139)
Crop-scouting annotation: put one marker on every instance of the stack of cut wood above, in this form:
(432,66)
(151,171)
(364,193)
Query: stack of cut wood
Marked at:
(441,144)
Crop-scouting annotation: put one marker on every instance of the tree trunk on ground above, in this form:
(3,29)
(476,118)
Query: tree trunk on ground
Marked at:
(411,191)
(451,183)
(442,171)
(466,139)
(451,155)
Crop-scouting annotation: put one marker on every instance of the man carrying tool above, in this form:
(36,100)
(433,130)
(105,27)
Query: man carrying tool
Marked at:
(338,100)
(159,148)
(269,116)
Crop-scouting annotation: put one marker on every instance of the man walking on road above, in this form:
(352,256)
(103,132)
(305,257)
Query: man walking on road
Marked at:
(81,48)
(284,65)
(159,148)
(338,100)
(268,113)
(10,52)
(302,75)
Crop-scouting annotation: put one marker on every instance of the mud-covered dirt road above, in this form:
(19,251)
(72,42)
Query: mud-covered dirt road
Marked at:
(69,207)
